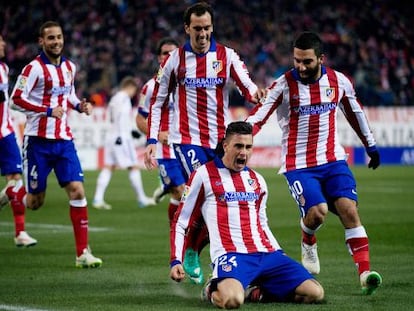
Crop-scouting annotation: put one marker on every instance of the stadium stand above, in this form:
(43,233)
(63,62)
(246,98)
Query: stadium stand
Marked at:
(371,41)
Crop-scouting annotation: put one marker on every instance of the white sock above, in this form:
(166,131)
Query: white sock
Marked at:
(136,182)
(101,184)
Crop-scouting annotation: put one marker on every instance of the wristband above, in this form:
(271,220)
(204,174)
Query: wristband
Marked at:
(49,112)
(174,263)
(151,141)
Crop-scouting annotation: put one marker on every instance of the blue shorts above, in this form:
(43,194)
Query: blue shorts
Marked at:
(277,274)
(10,159)
(42,155)
(170,173)
(192,157)
(321,184)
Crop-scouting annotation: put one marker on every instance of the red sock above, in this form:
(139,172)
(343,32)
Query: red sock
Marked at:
(18,207)
(309,239)
(172,208)
(18,214)
(197,236)
(359,248)
(202,238)
(79,217)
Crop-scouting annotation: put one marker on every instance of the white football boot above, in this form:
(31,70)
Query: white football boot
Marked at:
(310,258)
(101,205)
(87,260)
(24,240)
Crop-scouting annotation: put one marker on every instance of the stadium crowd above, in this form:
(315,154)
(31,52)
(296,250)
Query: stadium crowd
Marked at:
(371,41)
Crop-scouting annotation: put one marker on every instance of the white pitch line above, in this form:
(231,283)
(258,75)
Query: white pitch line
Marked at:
(54,227)
(19,308)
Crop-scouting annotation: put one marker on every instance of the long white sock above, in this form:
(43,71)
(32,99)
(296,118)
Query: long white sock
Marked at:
(101,184)
(136,182)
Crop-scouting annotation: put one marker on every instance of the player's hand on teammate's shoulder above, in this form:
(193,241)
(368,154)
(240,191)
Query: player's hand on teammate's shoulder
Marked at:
(260,95)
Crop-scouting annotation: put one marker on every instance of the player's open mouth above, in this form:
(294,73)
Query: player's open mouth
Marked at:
(241,161)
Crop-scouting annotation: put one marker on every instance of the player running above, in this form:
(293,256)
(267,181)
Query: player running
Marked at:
(306,100)
(44,92)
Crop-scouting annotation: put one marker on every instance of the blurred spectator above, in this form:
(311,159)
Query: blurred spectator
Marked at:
(371,41)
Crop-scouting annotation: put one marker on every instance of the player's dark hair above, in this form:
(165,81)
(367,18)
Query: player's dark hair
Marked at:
(166,40)
(47,24)
(309,40)
(237,127)
(198,9)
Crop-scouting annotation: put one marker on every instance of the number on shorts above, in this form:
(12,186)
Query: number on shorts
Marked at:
(192,155)
(223,261)
(296,190)
(33,172)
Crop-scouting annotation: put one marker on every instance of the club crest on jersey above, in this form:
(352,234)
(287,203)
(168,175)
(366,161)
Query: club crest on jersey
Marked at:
(252,183)
(69,75)
(22,83)
(217,66)
(330,93)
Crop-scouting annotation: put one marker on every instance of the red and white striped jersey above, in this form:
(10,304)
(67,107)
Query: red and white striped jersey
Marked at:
(42,86)
(201,84)
(233,206)
(163,151)
(6,127)
(307,115)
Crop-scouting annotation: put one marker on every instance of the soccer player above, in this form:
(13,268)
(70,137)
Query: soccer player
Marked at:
(198,75)
(44,92)
(172,177)
(231,198)
(11,160)
(306,100)
(119,147)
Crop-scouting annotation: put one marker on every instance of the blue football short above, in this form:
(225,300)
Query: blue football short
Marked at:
(277,274)
(170,173)
(192,157)
(41,156)
(10,159)
(321,184)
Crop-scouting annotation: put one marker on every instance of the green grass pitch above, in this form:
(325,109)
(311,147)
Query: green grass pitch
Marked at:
(134,246)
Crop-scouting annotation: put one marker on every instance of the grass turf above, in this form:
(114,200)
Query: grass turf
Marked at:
(134,246)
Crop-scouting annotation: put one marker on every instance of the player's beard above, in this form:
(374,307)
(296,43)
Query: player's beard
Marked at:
(310,75)
(54,55)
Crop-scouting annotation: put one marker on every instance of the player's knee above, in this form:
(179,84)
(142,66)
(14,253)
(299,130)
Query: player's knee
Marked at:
(75,191)
(315,293)
(233,301)
(318,213)
(318,294)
